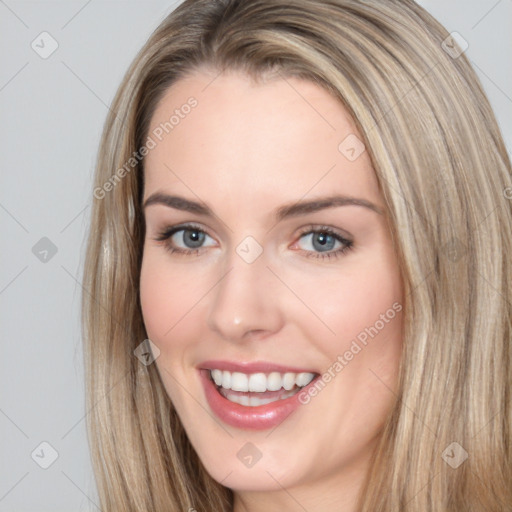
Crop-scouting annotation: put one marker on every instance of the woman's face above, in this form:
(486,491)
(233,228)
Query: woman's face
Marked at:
(277,260)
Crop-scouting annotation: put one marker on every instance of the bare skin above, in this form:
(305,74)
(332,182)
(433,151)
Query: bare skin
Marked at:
(244,151)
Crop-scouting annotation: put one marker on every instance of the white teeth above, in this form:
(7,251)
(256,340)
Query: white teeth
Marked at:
(217,377)
(243,400)
(303,379)
(289,381)
(253,401)
(226,380)
(260,382)
(239,382)
(274,381)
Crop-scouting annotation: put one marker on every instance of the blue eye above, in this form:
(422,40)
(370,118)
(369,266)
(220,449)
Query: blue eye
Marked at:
(321,241)
(324,241)
(191,237)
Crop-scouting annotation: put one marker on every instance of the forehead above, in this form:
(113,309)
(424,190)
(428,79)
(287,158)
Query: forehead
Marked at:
(277,138)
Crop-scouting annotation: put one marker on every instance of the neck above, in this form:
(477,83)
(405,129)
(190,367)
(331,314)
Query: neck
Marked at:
(339,493)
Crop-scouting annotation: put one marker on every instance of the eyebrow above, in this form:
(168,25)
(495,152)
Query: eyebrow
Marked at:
(294,209)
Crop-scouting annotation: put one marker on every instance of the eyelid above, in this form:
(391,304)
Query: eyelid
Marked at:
(322,227)
(171,230)
(168,232)
(346,241)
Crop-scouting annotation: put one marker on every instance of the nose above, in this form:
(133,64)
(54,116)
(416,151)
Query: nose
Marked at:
(245,303)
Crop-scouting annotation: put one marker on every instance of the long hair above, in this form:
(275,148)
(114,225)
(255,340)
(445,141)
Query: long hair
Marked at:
(445,176)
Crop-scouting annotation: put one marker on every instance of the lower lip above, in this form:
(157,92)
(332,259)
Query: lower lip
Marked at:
(261,417)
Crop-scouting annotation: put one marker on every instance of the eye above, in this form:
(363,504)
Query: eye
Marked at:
(321,242)
(185,239)
(325,241)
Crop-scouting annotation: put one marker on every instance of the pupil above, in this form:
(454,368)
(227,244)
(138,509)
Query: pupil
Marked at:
(195,238)
(322,239)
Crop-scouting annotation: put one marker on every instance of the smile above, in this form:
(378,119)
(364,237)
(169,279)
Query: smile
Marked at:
(253,390)
(253,395)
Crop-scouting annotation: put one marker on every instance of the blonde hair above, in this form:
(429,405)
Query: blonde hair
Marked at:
(443,171)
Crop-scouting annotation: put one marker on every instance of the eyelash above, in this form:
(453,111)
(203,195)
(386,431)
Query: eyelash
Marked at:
(165,235)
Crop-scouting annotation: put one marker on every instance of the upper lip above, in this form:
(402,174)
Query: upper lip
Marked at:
(251,367)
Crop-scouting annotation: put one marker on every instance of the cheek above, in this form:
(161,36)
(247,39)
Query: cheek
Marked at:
(354,300)
(167,308)
(360,330)
(167,295)
(173,301)
(156,301)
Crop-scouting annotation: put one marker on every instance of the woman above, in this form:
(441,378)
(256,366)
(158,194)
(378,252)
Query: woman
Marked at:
(297,288)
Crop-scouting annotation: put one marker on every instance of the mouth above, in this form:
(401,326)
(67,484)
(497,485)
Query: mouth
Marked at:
(256,395)
(257,389)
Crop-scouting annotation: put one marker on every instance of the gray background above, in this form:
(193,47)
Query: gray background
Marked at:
(52,112)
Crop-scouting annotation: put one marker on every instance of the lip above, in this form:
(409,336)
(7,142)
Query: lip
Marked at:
(253,367)
(262,417)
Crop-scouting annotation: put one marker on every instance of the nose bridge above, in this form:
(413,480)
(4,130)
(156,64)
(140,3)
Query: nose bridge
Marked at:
(245,299)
